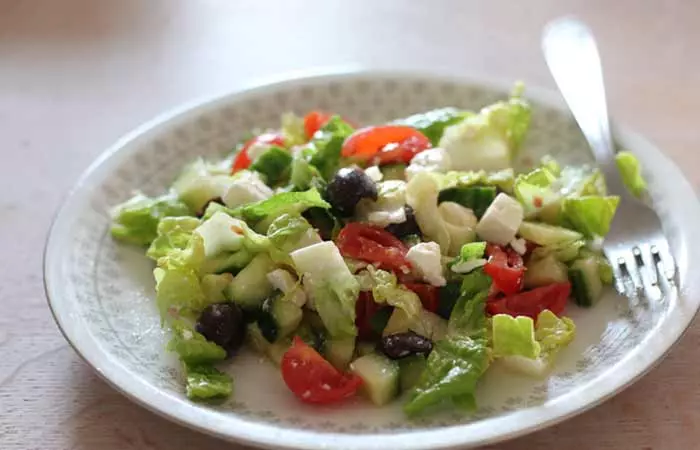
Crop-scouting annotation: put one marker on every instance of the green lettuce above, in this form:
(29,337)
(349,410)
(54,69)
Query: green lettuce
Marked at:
(460,359)
(514,336)
(192,347)
(468,256)
(274,165)
(591,215)
(203,382)
(631,173)
(385,289)
(433,123)
(563,251)
(293,129)
(476,198)
(275,206)
(490,139)
(173,233)
(502,179)
(552,334)
(332,286)
(320,157)
(200,182)
(136,220)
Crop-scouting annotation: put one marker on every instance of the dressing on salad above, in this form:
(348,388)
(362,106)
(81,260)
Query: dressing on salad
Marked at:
(399,258)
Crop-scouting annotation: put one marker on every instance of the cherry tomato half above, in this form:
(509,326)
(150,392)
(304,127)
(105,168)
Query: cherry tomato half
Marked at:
(243,161)
(429,295)
(313,379)
(506,269)
(386,143)
(313,122)
(373,244)
(531,303)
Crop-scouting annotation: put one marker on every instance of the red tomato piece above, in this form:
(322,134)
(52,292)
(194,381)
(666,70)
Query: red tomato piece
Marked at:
(388,143)
(429,295)
(313,379)
(313,122)
(375,245)
(531,303)
(506,269)
(243,161)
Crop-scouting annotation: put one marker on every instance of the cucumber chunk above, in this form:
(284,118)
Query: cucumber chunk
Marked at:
(411,368)
(545,234)
(380,376)
(585,281)
(545,271)
(339,352)
(251,287)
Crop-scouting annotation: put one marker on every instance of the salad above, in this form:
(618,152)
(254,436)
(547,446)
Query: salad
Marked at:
(396,260)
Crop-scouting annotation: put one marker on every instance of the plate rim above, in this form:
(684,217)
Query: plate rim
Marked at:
(270,436)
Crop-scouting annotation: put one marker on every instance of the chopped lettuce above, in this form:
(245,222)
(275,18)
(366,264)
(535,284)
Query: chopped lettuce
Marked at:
(201,182)
(563,251)
(284,202)
(385,289)
(192,347)
(514,336)
(136,220)
(631,173)
(274,165)
(422,196)
(471,257)
(552,334)
(591,215)
(488,140)
(323,151)
(333,288)
(293,129)
(501,179)
(460,359)
(203,382)
(173,233)
(433,123)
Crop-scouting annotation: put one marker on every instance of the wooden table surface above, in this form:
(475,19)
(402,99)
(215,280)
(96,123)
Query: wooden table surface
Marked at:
(77,74)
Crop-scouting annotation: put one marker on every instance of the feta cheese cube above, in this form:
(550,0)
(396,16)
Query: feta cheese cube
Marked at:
(248,188)
(426,261)
(433,160)
(501,221)
(219,235)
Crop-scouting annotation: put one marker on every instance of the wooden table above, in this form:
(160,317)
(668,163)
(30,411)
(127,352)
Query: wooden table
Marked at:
(77,74)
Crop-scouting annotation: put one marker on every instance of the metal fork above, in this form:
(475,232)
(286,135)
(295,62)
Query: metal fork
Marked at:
(636,246)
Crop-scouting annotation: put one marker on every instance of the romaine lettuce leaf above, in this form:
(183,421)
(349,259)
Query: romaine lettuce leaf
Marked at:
(282,203)
(385,289)
(591,215)
(203,382)
(136,220)
(323,151)
(173,233)
(293,129)
(192,347)
(470,257)
(274,165)
(514,336)
(333,288)
(631,173)
(552,333)
(433,123)
(488,140)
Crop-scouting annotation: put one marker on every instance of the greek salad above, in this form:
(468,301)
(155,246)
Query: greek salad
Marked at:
(400,259)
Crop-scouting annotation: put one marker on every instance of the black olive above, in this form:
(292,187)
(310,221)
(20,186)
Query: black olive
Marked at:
(348,187)
(223,324)
(407,227)
(400,345)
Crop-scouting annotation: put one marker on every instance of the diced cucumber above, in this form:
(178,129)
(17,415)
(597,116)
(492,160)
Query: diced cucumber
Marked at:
(365,348)
(476,198)
(380,376)
(545,271)
(545,234)
(214,286)
(279,317)
(256,339)
(585,281)
(313,336)
(411,368)
(399,322)
(251,287)
(339,352)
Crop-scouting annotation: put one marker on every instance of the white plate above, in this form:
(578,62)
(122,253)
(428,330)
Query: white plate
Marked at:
(101,293)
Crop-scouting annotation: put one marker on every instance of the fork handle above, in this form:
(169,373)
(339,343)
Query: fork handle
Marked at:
(572,56)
